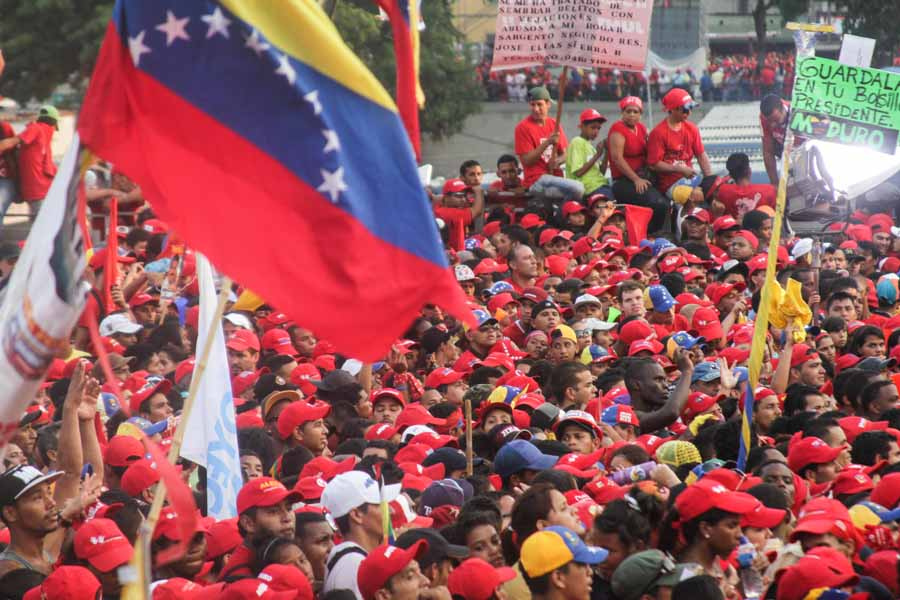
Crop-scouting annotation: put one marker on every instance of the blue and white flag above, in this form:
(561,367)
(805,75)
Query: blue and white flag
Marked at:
(211,434)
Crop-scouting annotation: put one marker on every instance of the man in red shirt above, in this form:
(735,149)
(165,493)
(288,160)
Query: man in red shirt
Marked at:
(738,196)
(542,149)
(773,120)
(36,167)
(674,144)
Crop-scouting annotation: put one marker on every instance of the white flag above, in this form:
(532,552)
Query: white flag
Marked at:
(43,298)
(211,435)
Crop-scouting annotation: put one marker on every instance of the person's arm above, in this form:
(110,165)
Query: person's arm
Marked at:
(534,156)
(9,143)
(669,412)
(478,204)
(782,373)
(87,412)
(705,165)
(768,148)
(664,167)
(617,156)
(70,457)
(581,172)
(731,318)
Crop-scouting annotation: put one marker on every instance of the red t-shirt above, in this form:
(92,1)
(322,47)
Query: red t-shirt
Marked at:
(7,162)
(635,151)
(456,219)
(36,168)
(497,185)
(674,147)
(530,135)
(741,199)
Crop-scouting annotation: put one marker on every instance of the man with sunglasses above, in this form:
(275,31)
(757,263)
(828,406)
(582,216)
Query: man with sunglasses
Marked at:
(674,143)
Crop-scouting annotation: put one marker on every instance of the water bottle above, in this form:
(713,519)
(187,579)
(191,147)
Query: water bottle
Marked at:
(751,580)
(633,474)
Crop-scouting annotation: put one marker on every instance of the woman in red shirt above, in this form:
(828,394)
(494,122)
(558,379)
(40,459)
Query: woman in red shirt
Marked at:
(627,149)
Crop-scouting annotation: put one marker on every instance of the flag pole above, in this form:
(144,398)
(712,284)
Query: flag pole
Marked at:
(470,460)
(145,533)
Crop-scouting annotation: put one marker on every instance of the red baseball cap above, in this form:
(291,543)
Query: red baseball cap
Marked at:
(244,589)
(821,567)
(242,340)
(168,525)
(384,562)
(441,376)
(700,214)
(278,341)
(571,207)
(303,376)
(327,468)
(454,186)
(242,381)
(174,588)
(678,98)
(883,567)
(142,299)
(589,114)
(264,491)
(528,221)
(140,475)
(705,495)
(101,543)
(705,322)
(147,389)
(763,517)
(810,451)
(697,404)
(476,579)
(184,368)
(725,223)
(296,414)
(98,259)
(123,450)
(802,353)
(845,361)
(381,431)
(851,481)
(754,241)
(853,426)
(651,346)
(716,291)
(415,414)
(223,537)
(274,319)
(287,578)
(887,491)
(635,330)
(66,582)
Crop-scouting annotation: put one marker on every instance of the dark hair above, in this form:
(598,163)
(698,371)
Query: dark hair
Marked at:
(540,586)
(483,374)
(266,549)
(629,285)
(467,165)
(705,439)
(819,427)
(871,391)
(668,538)
(137,235)
(674,282)
(632,453)
(892,416)
(625,519)
(754,220)
(129,517)
(506,158)
(559,479)
(856,341)
(530,507)
(47,440)
(386,445)
(870,446)
(564,376)
(727,440)
(343,522)
(698,587)
(795,400)
(738,165)
(307,518)
(769,103)
(259,440)
(609,378)
(839,384)
(756,456)
(834,297)
(14,584)
(770,495)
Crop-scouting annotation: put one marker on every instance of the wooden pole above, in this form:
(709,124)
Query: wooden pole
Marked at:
(470,460)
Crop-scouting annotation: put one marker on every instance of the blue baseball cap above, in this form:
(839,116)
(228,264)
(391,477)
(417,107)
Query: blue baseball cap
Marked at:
(686,340)
(482,316)
(518,455)
(110,403)
(660,244)
(741,373)
(500,287)
(554,547)
(661,298)
(147,427)
(706,372)
(595,354)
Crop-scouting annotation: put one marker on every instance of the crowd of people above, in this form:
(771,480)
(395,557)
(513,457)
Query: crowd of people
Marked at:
(616,449)
(727,78)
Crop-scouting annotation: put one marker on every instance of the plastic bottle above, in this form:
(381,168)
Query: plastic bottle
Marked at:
(633,474)
(751,580)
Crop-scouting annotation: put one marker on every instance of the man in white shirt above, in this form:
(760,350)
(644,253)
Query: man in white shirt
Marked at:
(353,499)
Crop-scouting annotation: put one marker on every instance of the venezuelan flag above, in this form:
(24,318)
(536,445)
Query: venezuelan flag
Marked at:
(403,15)
(746,423)
(267,145)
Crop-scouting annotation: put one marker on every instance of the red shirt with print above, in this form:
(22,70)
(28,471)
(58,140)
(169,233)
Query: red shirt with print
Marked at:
(36,168)
(457,219)
(635,151)
(530,135)
(738,200)
(674,147)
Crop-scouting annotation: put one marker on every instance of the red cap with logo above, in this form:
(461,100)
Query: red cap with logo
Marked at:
(454,186)
(441,376)
(298,413)
(287,578)
(821,567)
(278,341)
(677,98)
(264,491)
(102,544)
(139,476)
(122,451)
(725,223)
(706,495)
(384,562)
(706,323)
(810,451)
(242,340)
(66,582)
(223,537)
(590,114)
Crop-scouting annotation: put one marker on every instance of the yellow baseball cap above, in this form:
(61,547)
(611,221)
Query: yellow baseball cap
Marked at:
(554,547)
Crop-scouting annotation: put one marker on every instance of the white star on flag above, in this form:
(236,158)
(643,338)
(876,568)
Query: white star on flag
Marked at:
(333,183)
(136,47)
(174,28)
(331,140)
(256,44)
(285,68)
(218,23)
(313,98)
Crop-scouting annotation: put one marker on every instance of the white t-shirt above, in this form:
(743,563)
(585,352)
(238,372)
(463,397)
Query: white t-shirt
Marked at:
(343,575)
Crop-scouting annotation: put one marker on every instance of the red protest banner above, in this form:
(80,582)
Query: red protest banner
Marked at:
(597,33)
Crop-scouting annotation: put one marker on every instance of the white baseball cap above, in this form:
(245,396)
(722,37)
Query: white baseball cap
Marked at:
(351,490)
(414,430)
(118,323)
(239,320)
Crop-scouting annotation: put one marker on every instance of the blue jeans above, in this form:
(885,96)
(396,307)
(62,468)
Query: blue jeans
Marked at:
(554,187)
(8,195)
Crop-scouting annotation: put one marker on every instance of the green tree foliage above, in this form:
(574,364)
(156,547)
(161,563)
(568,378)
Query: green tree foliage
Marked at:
(49,42)
(877,20)
(447,77)
(790,9)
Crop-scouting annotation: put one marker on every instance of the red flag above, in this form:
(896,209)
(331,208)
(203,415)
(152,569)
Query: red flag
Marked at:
(180,498)
(637,218)
(406,50)
(111,269)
